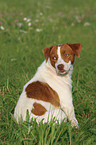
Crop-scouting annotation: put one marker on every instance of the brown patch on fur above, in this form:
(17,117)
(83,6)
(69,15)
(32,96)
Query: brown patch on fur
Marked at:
(76,47)
(42,91)
(53,55)
(38,109)
(67,53)
(46,52)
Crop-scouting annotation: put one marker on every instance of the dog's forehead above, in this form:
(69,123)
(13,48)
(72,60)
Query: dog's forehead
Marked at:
(64,47)
(54,50)
(60,48)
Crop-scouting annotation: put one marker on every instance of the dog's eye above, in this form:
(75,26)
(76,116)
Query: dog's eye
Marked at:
(67,55)
(54,58)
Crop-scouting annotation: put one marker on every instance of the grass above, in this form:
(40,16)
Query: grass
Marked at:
(51,22)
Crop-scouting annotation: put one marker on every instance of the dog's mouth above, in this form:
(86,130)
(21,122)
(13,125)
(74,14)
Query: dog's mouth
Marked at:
(62,69)
(62,72)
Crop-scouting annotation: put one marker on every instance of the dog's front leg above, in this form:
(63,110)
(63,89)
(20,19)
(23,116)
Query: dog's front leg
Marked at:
(69,111)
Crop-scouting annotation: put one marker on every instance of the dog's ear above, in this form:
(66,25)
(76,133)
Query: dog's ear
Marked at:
(46,52)
(76,47)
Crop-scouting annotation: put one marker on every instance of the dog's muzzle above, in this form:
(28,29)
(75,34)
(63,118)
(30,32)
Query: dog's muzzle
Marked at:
(61,70)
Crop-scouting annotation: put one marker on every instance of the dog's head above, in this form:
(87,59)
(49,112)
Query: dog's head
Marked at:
(62,56)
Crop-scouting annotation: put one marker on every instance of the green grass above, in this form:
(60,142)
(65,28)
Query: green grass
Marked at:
(21,53)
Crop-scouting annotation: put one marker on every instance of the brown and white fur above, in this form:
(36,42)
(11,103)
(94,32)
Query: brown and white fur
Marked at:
(49,93)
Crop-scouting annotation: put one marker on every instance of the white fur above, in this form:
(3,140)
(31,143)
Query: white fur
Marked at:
(61,84)
(58,52)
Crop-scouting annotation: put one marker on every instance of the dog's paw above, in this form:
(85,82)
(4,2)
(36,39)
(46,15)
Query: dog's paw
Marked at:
(74,123)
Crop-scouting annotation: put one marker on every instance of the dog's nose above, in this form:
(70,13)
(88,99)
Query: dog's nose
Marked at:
(60,67)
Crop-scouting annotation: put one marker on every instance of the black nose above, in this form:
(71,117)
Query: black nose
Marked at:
(60,66)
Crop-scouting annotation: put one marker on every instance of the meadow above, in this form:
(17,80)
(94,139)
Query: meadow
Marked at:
(26,27)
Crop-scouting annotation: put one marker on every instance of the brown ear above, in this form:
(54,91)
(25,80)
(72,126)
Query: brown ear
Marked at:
(46,52)
(76,47)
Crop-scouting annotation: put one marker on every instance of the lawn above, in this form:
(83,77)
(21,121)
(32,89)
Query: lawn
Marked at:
(26,27)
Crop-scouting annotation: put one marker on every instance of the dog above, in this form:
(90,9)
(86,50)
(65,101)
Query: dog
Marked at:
(49,93)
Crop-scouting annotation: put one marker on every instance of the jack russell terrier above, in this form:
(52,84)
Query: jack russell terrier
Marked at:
(49,93)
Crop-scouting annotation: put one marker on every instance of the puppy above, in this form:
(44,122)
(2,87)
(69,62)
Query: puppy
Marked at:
(49,93)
